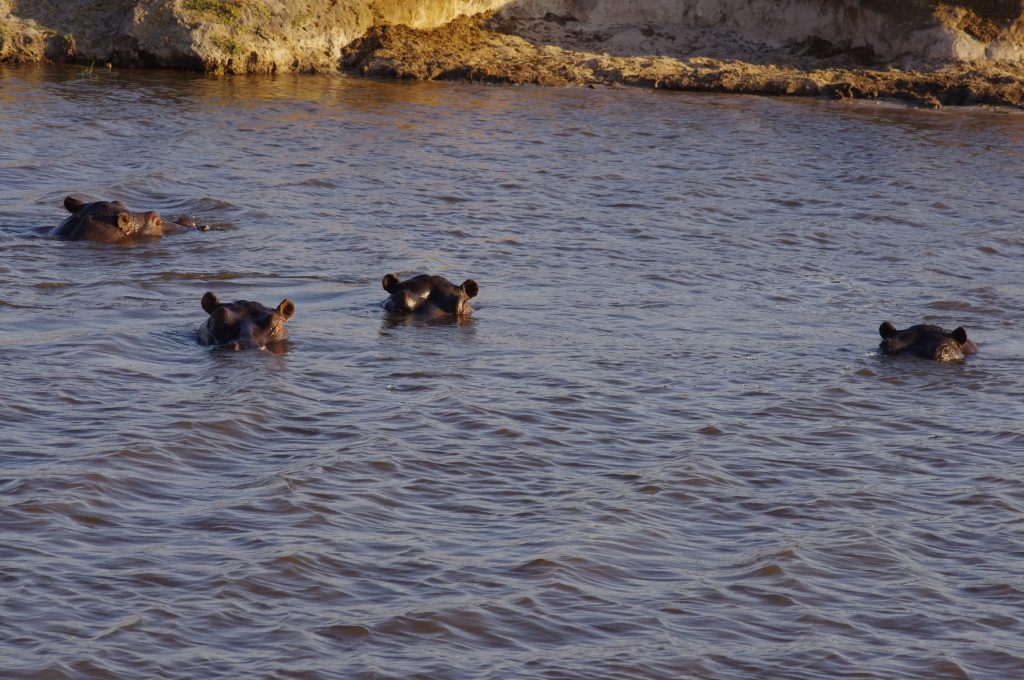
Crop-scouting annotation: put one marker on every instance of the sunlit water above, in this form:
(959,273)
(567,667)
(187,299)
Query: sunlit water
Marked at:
(664,446)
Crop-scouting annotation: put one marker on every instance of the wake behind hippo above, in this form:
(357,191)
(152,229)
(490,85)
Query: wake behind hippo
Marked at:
(427,296)
(113,222)
(926,341)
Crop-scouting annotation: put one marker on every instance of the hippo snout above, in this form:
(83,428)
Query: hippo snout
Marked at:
(948,352)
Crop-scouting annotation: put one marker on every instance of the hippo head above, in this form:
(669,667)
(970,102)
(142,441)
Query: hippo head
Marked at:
(926,341)
(108,222)
(244,324)
(427,295)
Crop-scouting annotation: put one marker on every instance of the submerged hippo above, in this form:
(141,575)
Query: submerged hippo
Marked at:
(926,341)
(244,324)
(429,296)
(113,222)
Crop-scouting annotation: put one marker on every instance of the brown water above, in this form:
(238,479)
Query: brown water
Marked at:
(665,445)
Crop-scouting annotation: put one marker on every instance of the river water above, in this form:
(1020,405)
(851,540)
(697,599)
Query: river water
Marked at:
(664,445)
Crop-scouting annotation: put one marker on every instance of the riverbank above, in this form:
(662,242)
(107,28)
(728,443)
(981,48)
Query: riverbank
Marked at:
(928,53)
(478,49)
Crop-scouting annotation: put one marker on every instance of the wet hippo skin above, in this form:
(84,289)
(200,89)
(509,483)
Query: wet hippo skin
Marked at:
(244,324)
(428,296)
(926,341)
(112,222)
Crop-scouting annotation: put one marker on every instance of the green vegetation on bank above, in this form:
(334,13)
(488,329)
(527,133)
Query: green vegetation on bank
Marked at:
(8,40)
(222,11)
(229,46)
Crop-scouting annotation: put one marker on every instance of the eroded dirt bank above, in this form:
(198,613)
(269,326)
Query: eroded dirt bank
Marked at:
(926,51)
(223,36)
(478,49)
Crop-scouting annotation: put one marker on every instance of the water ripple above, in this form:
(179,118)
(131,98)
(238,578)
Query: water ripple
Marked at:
(664,446)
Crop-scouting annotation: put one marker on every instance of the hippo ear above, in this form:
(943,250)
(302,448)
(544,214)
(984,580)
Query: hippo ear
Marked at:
(210,302)
(222,316)
(470,288)
(390,283)
(959,334)
(286,309)
(73,205)
(887,330)
(124,223)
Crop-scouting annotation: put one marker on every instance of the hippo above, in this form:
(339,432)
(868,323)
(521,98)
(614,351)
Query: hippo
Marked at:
(926,341)
(427,296)
(244,324)
(113,222)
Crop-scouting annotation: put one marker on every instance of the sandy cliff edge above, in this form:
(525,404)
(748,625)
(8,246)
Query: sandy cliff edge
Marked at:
(927,51)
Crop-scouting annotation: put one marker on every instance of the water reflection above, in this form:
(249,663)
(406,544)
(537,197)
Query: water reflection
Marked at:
(398,319)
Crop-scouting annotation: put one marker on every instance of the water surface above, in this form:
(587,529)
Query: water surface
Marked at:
(664,446)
